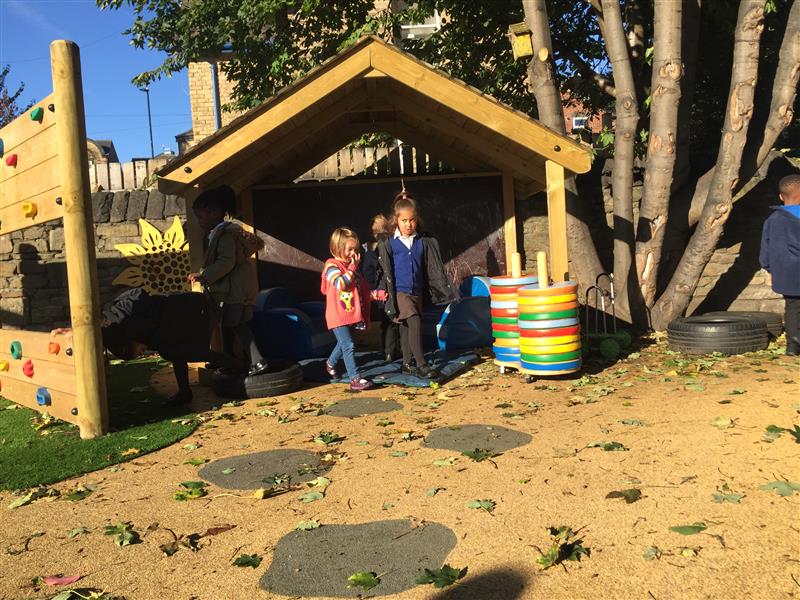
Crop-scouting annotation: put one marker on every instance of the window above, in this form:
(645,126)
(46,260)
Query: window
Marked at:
(431,25)
(579,122)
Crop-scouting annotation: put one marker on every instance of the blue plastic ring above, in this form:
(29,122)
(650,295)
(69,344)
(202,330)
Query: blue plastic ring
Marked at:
(498,350)
(503,304)
(513,281)
(555,323)
(562,366)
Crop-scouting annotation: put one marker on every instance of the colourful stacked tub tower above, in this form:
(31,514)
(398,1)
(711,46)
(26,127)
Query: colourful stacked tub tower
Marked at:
(504,312)
(550,336)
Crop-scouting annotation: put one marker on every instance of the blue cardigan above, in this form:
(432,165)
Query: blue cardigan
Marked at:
(780,249)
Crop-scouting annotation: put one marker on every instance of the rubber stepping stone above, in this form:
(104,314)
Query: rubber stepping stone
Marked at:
(318,562)
(356,407)
(463,438)
(252,471)
(16,350)
(37,114)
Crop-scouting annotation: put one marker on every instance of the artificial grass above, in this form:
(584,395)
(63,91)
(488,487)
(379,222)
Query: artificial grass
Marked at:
(137,421)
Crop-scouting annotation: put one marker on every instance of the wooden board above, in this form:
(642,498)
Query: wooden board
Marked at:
(31,182)
(52,375)
(24,394)
(23,128)
(12,218)
(30,153)
(35,343)
(557,222)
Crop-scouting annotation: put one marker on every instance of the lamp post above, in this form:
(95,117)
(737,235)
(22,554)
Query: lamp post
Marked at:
(146,90)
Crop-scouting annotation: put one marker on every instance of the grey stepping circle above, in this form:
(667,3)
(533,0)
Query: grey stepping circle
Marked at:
(462,438)
(250,470)
(357,407)
(318,562)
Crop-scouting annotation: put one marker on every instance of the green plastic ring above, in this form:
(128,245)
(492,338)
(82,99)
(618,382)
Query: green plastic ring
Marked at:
(505,320)
(505,334)
(561,314)
(550,358)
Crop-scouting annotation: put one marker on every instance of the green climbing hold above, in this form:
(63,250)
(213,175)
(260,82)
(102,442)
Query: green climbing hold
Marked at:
(2,147)
(37,114)
(16,350)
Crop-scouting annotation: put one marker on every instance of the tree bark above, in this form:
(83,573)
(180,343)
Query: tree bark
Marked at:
(665,94)
(781,113)
(690,30)
(717,208)
(584,259)
(626,105)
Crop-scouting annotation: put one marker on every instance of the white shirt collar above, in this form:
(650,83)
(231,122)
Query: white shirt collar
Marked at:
(397,234)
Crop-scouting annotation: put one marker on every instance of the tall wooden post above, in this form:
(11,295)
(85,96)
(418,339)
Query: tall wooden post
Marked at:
(509,219)
(246,214)
(194,234)
(557,221)
(84,294)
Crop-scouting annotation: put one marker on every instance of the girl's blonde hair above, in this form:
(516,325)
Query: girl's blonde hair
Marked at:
(339,239)
(403,201)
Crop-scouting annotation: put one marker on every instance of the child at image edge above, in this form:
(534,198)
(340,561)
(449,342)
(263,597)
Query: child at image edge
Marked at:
(412,270)
(347,302)
(780,256)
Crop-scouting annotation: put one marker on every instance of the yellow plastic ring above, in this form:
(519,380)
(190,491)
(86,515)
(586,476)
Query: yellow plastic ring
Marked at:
(506,342)
(557,349)
(549,341)
(544,300)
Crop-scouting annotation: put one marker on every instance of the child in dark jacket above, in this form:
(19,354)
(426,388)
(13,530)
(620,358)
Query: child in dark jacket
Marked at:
(412,270)
(371,268)
(780,256)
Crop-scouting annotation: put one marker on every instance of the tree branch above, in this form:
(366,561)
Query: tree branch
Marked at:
(604,84)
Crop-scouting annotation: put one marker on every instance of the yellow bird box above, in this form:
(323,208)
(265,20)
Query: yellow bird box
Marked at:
(521,42)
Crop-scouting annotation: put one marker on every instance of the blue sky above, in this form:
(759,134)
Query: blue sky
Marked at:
(115,109)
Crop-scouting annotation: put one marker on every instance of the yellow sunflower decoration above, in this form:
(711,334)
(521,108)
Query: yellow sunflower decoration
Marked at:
(160,264)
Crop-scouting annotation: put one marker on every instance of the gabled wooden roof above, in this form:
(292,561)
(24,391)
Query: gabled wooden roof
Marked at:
(374,87)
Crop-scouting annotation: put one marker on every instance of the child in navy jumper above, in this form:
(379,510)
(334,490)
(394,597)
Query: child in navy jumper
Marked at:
(412,268)
(780,256)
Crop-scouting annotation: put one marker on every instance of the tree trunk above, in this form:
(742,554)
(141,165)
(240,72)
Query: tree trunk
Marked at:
(665,94)
(690,30)
(781,112)
(585,263)
(626,105)
(715,213)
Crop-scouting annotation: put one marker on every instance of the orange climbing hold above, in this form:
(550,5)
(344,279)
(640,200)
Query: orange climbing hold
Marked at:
(53,348)
(27,368)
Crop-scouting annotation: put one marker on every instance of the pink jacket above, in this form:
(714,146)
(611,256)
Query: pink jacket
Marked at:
(347,298)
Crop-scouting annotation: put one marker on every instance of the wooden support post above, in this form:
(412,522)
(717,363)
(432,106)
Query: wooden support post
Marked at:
(84,294)
(509,219)
(246,214)
(541,268)
(557,221)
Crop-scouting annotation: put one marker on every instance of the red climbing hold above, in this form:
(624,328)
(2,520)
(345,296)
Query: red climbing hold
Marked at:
(11,160)
(27,368)
(53,348)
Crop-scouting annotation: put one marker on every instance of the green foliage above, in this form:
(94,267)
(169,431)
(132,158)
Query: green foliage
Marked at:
(480,454)
(608,446)
(630,495)
(487,505)
(307,525)
(123,533)
(247,560)
(79,493)
(191,490)
(692,529)
(564,546)
(328,438)
(783,488)
(443,577)
(363,579)
(725,494)
(9,109)
(651,553)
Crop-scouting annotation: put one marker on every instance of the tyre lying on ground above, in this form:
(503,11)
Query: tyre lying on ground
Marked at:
(728,334)
(282,377)
(774,320)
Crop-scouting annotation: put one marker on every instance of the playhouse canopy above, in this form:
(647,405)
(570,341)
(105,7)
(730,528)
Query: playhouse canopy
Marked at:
(375,87)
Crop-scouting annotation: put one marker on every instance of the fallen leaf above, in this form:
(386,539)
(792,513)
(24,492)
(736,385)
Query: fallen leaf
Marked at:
(363,579)
(247,560)
(433,491)
(630,495)
(722,423)
(651,553)
(487,505)
(77,531)
(61,579)
(444,462)
(196,461)
(218,529)
(228,471)
(783,488)
(689,529)
(307,525)
(440,578)
(311,497)
(480,454)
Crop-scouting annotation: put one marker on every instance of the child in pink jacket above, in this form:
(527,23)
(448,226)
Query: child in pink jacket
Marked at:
(347,303)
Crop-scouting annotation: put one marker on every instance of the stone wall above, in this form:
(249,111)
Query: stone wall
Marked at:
(33,277)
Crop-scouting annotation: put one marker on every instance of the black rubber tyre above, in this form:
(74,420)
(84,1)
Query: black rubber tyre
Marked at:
(774,320)
(725,334)
(283,377)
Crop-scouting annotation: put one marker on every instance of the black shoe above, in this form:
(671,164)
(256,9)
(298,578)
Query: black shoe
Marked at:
(407,369)
(426,372)
(259,368)
(178,399)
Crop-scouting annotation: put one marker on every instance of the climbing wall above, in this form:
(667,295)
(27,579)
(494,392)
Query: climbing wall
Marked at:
(37,370)
(30,191)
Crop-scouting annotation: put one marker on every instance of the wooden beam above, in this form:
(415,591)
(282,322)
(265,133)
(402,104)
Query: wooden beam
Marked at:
(242,134)
(557,221)
(480,108)
(509,218)
(84,294)
(24,128)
